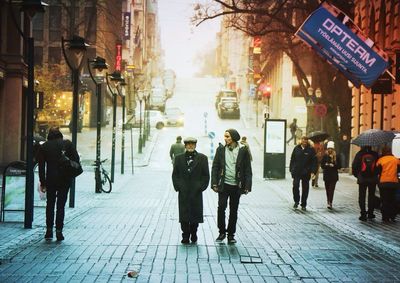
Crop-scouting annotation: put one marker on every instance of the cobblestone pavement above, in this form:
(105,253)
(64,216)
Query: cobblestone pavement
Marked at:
(136,228)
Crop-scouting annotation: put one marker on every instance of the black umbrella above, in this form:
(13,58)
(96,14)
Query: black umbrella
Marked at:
(318,136)
(373,137)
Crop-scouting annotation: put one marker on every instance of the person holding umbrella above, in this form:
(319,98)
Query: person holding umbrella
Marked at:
(363,168)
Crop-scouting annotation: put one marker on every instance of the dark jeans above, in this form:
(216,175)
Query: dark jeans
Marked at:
(293,137)
(233,193)
(330,190)
(188,229)
(305,187)
(388,198)
(362,192)
(56,195)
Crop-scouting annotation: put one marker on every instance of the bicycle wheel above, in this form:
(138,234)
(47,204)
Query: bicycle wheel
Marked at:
(105,182)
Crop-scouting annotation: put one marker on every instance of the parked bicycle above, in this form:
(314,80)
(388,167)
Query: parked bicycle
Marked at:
(103,181)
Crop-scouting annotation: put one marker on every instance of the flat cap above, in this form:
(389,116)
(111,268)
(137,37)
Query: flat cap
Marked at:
(190,140)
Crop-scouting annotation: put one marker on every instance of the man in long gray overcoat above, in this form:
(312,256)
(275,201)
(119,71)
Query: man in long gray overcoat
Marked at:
(190,178)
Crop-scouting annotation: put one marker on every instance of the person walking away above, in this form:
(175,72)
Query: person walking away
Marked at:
(344,147)
(244,142)
(363,168)
(330,163)
(231,176)
(388,167)
(176,149)
(53,181)
(319,151)
(293,128)
(303,165)
(190,178)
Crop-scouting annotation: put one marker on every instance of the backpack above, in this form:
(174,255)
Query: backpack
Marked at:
(368,165)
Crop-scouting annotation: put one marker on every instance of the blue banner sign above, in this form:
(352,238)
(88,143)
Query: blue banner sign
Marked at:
(337,39)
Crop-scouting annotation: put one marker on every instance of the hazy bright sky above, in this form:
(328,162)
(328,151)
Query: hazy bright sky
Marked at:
(179,39)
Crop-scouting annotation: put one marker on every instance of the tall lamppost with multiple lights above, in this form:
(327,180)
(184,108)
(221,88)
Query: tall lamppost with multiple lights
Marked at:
(98,64)
(74,50)
(30,8)
(113,78)
(140,142)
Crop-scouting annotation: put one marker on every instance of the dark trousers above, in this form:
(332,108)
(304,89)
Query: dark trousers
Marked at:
(59,196)
(330,190)
(293,137)
(305,187)
(362,192)
(233,193)
(388,198)
(189,228)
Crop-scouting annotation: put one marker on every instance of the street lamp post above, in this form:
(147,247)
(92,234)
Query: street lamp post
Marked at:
(121,92)
(318,95)
(74,50)
(147,94)
(114,78)
(97,64)
(310,105)
(140,97)
(29,8)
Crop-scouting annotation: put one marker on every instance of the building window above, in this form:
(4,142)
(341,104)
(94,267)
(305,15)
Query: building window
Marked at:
(38,55)
(54,55)
(91,24)
(54,23)
(37,26)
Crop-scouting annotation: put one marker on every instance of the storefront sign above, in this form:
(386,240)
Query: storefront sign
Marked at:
(338,40)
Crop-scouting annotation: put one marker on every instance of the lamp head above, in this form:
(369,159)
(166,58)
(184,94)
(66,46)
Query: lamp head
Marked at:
(31,7)
(310,91)
(99,64)
(318,93)
(74,51)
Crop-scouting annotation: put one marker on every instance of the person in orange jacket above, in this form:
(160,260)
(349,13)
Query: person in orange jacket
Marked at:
(387,167)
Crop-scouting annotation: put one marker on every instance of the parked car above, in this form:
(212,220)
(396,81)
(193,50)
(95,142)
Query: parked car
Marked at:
(174,117)
(224,93)
(156,118)
(229,107)
(396,145)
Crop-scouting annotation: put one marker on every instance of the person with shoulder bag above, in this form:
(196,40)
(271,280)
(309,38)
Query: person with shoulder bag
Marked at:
(54,180)
(330,163)
(388,167)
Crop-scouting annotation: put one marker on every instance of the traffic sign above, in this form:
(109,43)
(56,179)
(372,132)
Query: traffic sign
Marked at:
(320,110)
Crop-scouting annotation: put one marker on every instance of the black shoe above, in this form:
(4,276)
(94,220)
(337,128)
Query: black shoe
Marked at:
(371,216)
(59,236)
(49,234)
(231,240)
(193,238)
(363,217)
(220,238)
(296,205)
(303,208)
(185,241)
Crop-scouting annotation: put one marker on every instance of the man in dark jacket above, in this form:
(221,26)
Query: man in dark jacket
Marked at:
(53,181)
(364,181)
(303,164)
(176,148)
(231,176)
(190,178)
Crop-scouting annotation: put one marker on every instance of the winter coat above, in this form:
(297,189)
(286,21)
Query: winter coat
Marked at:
(303,162)
(387,167)
(330,173)
(190,186)
(243,174)
(48,157)
(356,167)
(176,149)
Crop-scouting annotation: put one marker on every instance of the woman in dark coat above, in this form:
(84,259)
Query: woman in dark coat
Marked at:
(330,164)
(190,178)
(53,181)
